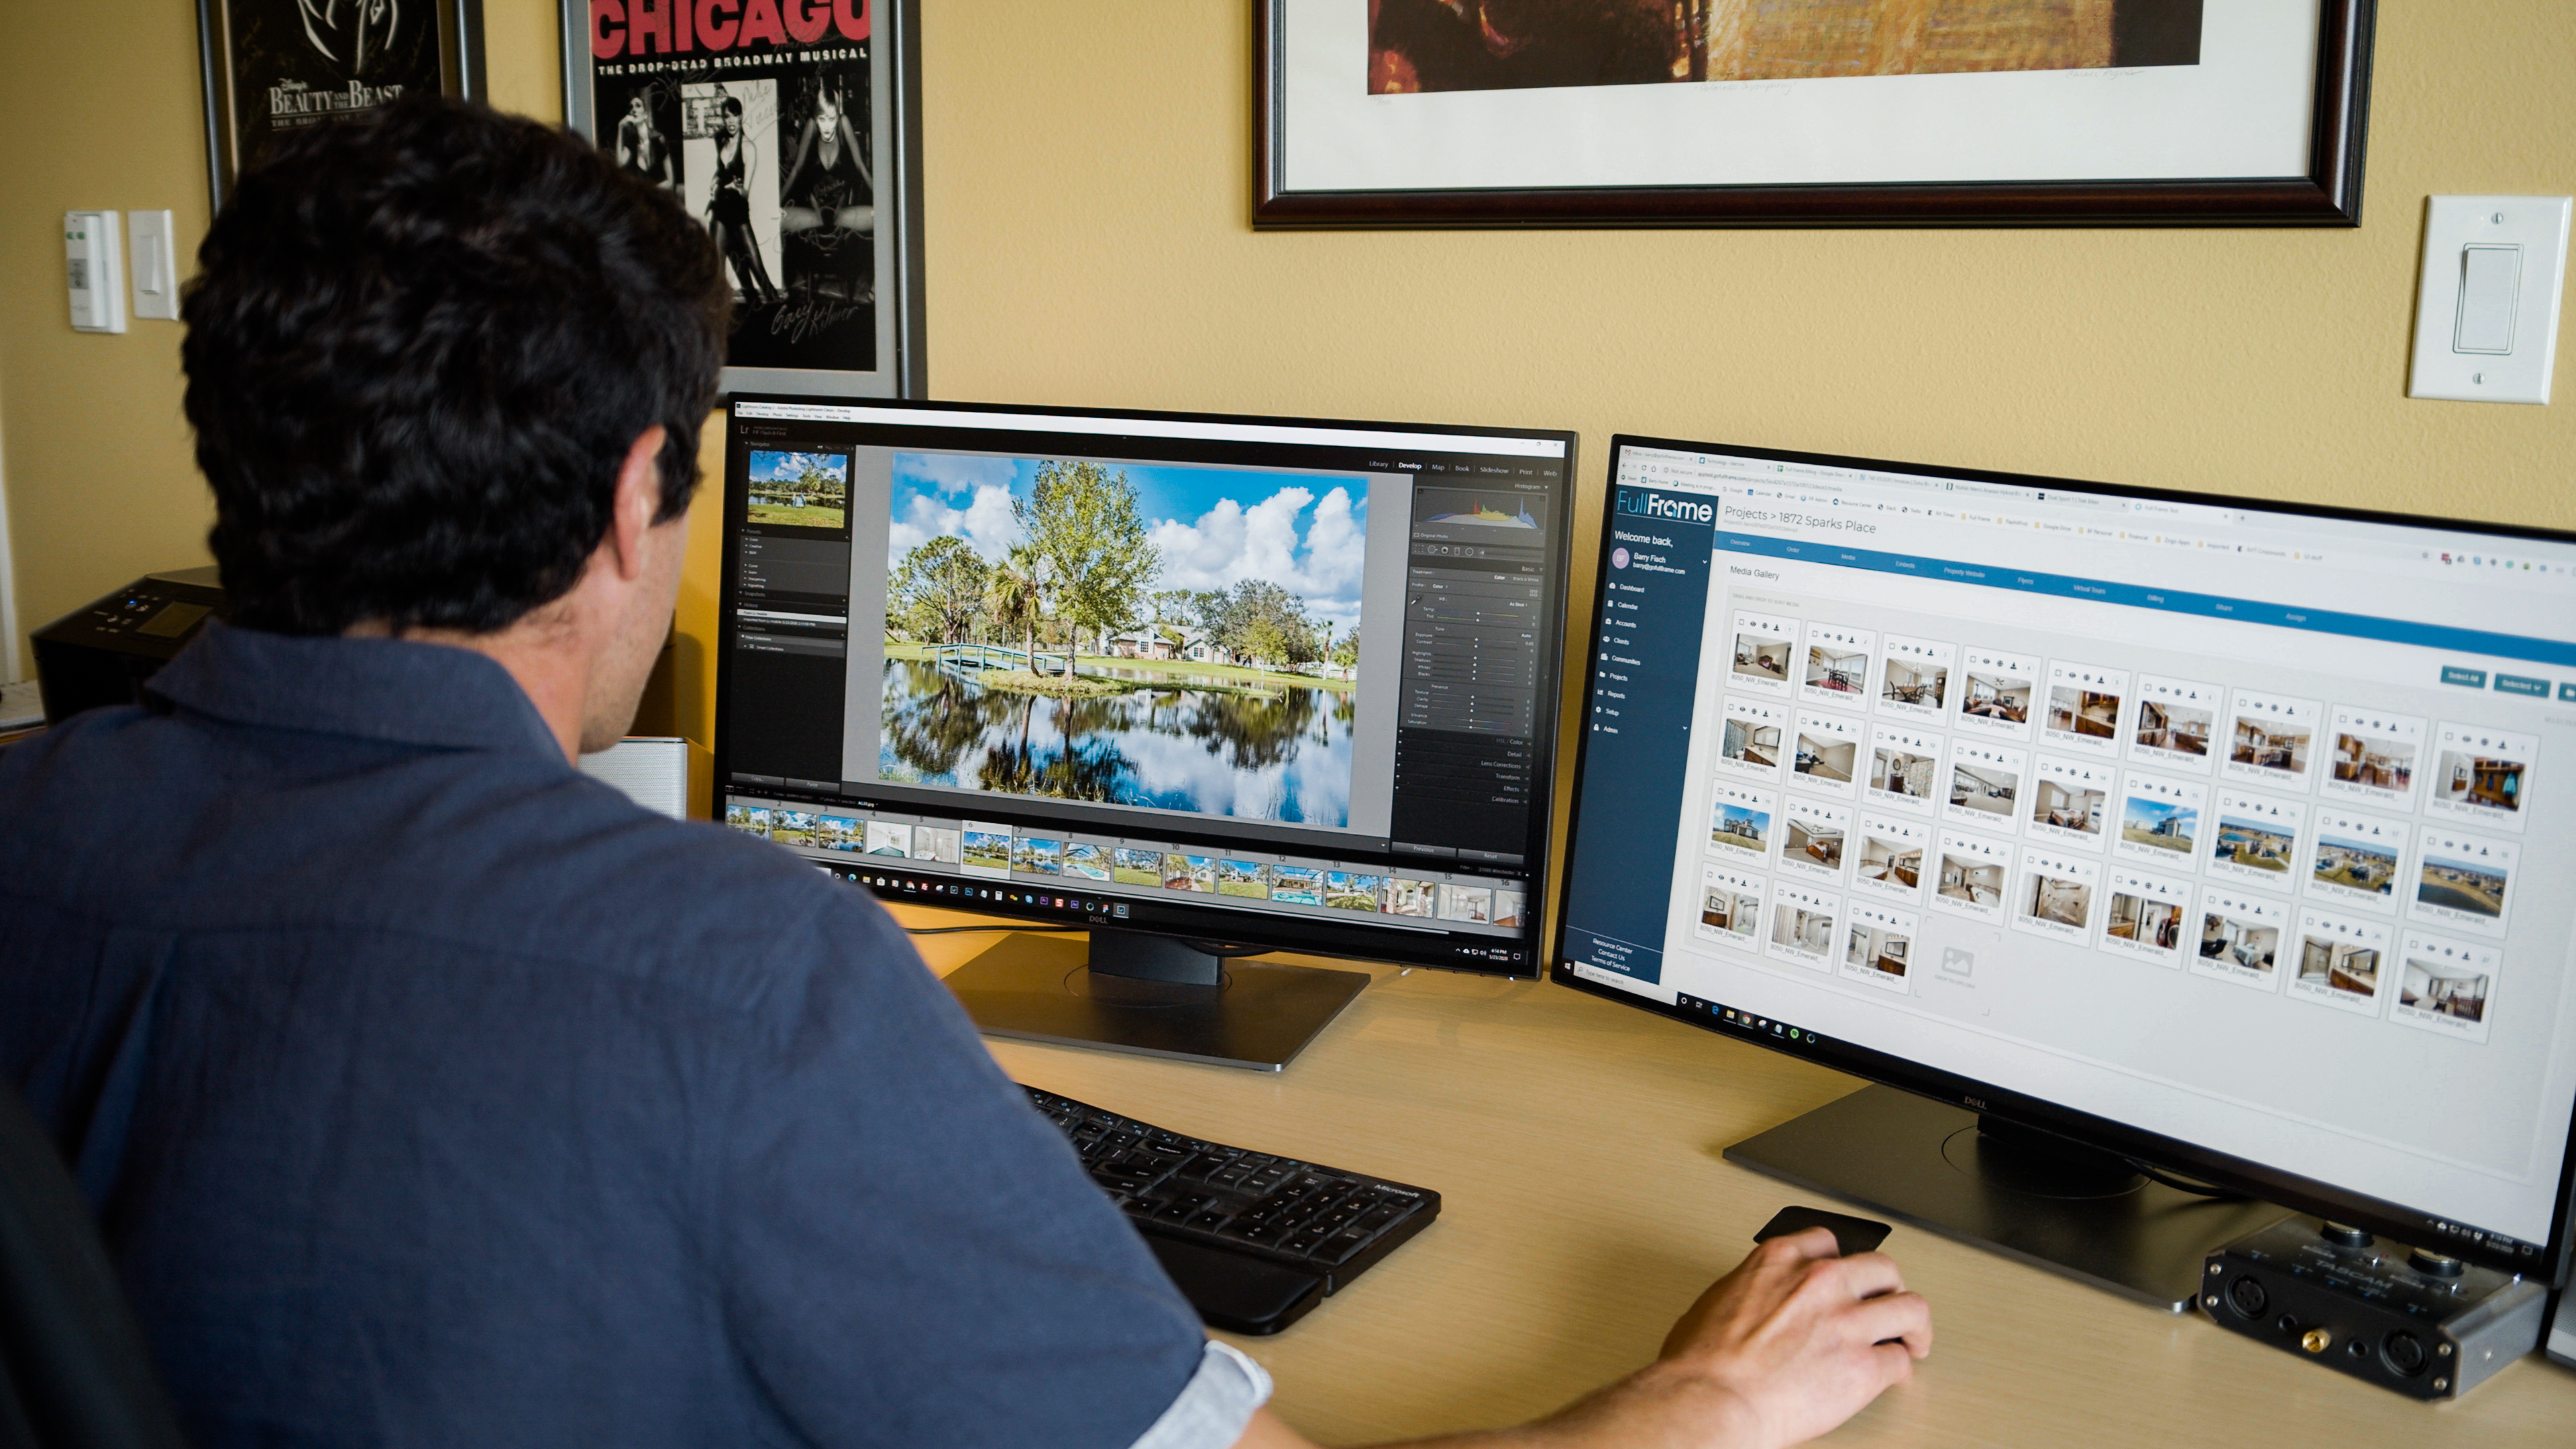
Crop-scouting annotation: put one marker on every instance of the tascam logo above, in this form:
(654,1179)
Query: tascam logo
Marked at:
(1650,504)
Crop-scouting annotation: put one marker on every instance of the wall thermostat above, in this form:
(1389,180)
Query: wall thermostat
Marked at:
(95,259)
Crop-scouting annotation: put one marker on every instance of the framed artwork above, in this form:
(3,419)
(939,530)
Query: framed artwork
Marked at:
(1466,113)
(274,66)
(791,130)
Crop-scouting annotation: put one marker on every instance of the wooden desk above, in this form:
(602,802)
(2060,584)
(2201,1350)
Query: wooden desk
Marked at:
(1576,1142)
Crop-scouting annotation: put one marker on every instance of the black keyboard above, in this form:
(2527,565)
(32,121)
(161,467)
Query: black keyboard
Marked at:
(1254,1240)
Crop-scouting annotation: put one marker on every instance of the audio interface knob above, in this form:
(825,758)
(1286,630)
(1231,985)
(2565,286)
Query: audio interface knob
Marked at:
(2432,1264)
(2344,1235)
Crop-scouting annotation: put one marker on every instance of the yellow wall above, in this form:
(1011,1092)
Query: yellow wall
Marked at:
(1089,175)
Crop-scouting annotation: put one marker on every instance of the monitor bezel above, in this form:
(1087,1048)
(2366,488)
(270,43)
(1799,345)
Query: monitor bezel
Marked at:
(2218,1169)
(1241,932)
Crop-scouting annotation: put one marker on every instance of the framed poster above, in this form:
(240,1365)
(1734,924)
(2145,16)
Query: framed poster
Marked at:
(1811,112)
(791,130)
(273,66)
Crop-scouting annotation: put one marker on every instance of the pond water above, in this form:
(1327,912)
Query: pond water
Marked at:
(1277,752)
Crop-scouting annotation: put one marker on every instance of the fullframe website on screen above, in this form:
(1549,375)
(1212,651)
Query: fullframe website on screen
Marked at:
(2247,829)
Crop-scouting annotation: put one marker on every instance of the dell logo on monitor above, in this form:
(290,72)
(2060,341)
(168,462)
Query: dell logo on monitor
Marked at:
(1662,505)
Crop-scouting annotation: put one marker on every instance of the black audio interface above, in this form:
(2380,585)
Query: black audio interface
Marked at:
(2408,1319)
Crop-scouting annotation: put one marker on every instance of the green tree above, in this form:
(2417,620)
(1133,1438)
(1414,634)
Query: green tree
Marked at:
(1347,652)
(1084,526)
(1258,620)
(938,591)
(1014,592)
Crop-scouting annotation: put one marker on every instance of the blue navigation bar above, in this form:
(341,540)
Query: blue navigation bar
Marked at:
(2179,601)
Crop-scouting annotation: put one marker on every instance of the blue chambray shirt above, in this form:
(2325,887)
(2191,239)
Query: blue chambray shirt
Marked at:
(432,1093)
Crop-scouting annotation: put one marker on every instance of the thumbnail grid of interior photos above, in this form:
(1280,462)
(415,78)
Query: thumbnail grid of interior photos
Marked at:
(2363,860)
(999,852)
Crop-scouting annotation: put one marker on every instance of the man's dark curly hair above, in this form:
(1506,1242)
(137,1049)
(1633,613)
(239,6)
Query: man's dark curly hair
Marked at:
(419,347)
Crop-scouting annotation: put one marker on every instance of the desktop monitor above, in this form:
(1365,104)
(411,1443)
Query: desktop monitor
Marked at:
(1203,686)
(2131,841)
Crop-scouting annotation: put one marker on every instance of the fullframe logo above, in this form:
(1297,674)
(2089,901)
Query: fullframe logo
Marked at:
(1650,504)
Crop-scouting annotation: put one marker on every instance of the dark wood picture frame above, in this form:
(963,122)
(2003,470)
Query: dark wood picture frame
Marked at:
(2328,194)
(228,46)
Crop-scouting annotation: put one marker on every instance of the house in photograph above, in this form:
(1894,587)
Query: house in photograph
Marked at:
(2241,943)
(2084,712)
(1992,696)
(1802,929)
(2183,731)
(1825,759)
(2355,866)
(2461,995)
(1762,658)
(2062,901)
(1822,844)
(2149,923)
(1836,670)
(1899,773)
(1914,683)
(2339,964)
(1986,790)
(1889,862)
(2053,804)
(2471,780)
(1737,825)
(2379,764)
(2156,823)
(1752,743)
(1972,881)
(2254,845)
(2270,746)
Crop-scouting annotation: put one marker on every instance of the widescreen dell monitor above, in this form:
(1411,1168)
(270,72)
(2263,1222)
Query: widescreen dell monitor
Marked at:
(1205,686)
(2229,840)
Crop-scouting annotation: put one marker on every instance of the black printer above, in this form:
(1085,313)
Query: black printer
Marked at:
(101,654)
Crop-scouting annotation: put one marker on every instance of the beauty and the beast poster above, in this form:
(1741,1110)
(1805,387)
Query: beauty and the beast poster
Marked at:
(288,64)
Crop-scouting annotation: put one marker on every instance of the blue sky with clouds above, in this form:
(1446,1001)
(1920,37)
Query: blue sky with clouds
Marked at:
(1213,526)
(769,467)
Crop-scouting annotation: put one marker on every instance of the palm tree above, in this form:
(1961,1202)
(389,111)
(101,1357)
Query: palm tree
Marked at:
(1015,598)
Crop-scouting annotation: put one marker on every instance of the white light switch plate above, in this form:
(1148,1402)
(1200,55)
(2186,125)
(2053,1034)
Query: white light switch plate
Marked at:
(155,268)
(2486,311)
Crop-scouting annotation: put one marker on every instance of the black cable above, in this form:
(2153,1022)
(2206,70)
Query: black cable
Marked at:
(953,930)
(2182,1184)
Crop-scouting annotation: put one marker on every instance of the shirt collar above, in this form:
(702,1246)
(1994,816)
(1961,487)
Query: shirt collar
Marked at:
(396,690)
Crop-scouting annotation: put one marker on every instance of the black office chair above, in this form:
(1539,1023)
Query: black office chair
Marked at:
(74,1370)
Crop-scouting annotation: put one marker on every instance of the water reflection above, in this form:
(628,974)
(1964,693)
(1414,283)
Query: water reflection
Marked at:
(1267,753)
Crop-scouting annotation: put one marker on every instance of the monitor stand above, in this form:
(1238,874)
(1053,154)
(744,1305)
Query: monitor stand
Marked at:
(1156,996)
(2029,1195)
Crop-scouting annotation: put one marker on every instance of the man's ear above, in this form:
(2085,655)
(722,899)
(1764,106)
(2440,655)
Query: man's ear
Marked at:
(638,500)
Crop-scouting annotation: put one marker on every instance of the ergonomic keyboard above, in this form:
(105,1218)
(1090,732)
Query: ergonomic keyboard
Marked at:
(1253,1239)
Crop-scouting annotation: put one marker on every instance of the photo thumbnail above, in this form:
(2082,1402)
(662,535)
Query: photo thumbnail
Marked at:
(839,832)
(1914,677)
(2481,775)
(936,842)
(1994,692)
(2240,938)
(1890,860)
(2084,702)
(792,827)
(2176,718)
(1730,907)
(1837,664)
(2371,756)
(883,838)
(1296,885)
(1972,876)
(749,819)
(1802,926)
(2146,916)
(1985,783)
(1878,947)
(2445,986)
(1086,860)
(1243,878)
(1827,751)
(1466,903)
(1755,738)
(1904,766)
(2464,881)
(2068,799)
(1403,897)
(1351,891)
(1508,906)
(1763,645)
(2357,859)
(2271,739)
(985,849)
(1816,838)
(2340,961)
(2057,890)
(2160,818)
(2256,838)
(1035,855)
(1194,873)
(1740,821)
(1136,867)
(798,490)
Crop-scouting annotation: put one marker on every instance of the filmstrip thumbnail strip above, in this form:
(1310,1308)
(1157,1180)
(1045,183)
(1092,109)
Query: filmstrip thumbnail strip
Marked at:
(1140,869)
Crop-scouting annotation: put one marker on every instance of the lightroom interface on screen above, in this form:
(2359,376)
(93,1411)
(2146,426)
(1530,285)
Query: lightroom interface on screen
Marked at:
(2248,829)
(1277,669)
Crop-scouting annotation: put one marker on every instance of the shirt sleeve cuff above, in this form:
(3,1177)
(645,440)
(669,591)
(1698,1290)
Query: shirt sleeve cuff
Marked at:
(1214,1406)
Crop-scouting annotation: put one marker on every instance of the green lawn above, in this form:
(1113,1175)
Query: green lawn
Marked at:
(2160,842)
(1250,888)
(1129,875)
(795,517)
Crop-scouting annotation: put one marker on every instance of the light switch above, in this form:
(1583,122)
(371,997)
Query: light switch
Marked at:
(2486,317)
(94,264)
(155,258)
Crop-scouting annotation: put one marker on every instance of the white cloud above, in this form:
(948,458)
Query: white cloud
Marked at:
(955,473)
(1230,543)
(985,522)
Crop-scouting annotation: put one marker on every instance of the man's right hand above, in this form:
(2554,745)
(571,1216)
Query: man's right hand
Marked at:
(1786,1347)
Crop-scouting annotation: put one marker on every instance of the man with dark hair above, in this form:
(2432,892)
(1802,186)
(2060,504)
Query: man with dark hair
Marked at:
(430,1092)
